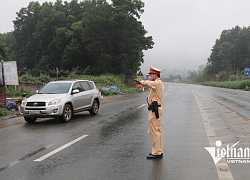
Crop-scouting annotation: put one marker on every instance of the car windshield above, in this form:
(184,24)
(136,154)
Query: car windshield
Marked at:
(55,88)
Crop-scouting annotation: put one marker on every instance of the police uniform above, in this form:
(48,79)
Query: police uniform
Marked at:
(156,94)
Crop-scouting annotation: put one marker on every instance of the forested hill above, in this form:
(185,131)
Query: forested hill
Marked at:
(231,51)
(92,36)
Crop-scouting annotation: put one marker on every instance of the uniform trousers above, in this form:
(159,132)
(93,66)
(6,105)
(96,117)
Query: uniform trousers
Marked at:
(156,132)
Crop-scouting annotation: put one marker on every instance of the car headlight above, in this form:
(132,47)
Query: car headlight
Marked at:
(54,102)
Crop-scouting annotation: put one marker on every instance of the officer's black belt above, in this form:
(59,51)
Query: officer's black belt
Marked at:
(159,105)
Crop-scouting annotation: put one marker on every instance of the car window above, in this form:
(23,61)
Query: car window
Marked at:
(91,84)
(55,88)
(85,85)
(77,86)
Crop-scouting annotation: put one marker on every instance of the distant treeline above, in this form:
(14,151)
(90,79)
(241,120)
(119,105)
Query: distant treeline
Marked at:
(91,37)
(231,51)
(229,56)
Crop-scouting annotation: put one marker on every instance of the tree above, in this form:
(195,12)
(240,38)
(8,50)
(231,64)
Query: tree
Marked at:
(226,54)
(26,49)
(3,50)
(231,52)
(91,36)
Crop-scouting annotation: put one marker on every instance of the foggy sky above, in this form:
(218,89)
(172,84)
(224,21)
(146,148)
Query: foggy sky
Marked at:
(184,32)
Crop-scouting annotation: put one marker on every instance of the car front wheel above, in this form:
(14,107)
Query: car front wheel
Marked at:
(67,113)
(30,119)
(95,108)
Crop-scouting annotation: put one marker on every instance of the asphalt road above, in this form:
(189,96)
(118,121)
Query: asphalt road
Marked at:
(113,144)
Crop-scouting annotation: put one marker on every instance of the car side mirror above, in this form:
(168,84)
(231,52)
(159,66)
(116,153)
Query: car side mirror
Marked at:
(75,91)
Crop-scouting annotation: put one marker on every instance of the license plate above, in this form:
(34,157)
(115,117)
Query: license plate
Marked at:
(34,112)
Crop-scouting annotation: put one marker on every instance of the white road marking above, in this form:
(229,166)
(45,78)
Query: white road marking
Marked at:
(223,175)
(60,148)
(169,88)
(141,106)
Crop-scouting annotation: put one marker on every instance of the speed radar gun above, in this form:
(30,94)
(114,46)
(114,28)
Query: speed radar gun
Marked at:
(154,108)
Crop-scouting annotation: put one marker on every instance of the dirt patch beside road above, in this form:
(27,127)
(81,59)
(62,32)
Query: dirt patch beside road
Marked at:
(10,119)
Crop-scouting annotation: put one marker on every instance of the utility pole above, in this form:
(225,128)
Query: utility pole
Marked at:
(234,58)
(2,90)
(1,58)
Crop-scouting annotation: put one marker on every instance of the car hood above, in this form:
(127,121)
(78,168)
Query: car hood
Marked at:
(45,97)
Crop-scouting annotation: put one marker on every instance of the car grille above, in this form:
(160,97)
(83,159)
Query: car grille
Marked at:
(28,109)
(35,104)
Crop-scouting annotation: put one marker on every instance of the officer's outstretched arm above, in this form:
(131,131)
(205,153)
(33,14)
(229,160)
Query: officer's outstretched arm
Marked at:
(149,84)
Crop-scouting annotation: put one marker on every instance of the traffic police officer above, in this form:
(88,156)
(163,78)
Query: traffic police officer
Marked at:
(154,101)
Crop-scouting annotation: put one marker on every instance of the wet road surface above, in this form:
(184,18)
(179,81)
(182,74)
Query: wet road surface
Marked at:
(114,143)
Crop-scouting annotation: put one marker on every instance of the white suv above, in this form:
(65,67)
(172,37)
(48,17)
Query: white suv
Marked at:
(61,100)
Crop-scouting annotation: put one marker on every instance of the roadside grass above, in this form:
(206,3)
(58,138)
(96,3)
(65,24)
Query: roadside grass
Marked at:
(5,112)
(11,92)
(239,84)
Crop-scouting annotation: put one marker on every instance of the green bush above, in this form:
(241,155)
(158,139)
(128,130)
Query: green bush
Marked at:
(108,93)
(233,78)
(12,93)
(43,78)
(240,84)
(224,75)
(4,112)
(28,78)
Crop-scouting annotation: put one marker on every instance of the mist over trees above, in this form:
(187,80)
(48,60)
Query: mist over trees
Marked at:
(91,36)
(229,56)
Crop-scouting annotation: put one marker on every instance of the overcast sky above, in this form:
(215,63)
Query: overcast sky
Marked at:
(184,31)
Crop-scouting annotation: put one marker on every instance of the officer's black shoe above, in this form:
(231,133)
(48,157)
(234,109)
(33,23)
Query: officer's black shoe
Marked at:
(154,156)
(160,155)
